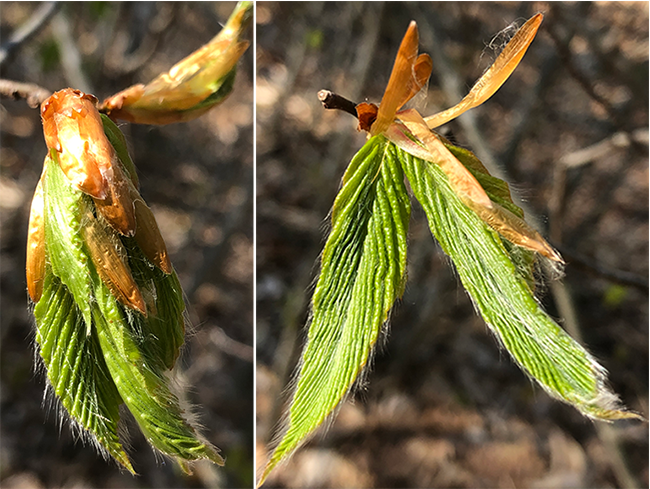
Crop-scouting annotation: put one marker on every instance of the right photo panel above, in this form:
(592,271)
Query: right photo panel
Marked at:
(452,244)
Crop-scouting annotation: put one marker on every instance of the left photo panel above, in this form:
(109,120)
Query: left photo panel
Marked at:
(126,251)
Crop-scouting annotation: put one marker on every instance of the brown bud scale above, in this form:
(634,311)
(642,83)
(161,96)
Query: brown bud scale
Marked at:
(35,266)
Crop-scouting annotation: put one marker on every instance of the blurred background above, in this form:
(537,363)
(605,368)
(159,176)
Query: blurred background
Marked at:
(198,179)
(443,405)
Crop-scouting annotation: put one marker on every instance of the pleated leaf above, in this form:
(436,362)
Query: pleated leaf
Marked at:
(118,141)
(76,369)
(363,270)
(502,296)
(65,208)
(497,189)
(499,192)
(163,330)
(142,386)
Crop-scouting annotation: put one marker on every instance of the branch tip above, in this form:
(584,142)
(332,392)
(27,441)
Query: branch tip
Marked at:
(331,100)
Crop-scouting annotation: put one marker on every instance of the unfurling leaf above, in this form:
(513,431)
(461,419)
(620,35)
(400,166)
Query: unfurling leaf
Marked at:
(76,369)
(135,369)
(363,271)
(109,307)
(65,208)
(502,295)
(192,86)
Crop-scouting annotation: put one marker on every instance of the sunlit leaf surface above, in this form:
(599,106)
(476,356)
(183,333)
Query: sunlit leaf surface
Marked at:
(503,297)
(362,273)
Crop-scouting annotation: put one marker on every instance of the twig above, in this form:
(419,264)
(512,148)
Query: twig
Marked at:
(602,149)
(332,100)
(27,30)
(527,106)
(295,56)
(214,256)
(118,61)
(291,217)
(608,434)
(454,89)
(568,58)
(370,17)
(33,94)
(232,347)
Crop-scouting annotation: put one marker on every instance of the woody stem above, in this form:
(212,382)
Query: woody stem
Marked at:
(332,100)
(32,93)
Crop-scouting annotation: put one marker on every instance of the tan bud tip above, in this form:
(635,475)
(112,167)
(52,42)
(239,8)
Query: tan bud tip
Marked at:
(35,262)
(117,208)
(149,238)
(73,129)
(110,260)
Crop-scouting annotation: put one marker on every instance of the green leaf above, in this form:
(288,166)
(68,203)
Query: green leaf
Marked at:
(65,208)
(118,141)
(363,270)
(142,386)
(221,88)
(499,192)
(163,330)
(500,292)
(76,368)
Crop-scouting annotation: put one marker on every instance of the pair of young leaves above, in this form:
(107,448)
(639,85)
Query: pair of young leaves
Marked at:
(109,306)
(470,213)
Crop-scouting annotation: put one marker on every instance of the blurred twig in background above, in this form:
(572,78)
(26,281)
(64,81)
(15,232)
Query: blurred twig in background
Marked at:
(27,30)
(157,18)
